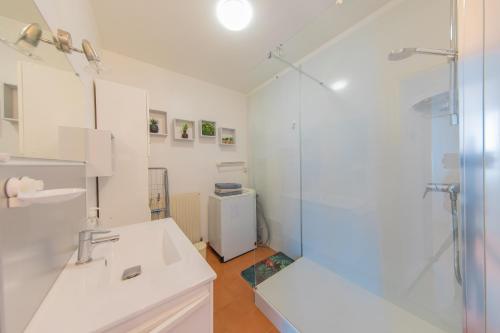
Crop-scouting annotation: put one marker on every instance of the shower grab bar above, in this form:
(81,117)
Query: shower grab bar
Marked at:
(272,55)
(453,190)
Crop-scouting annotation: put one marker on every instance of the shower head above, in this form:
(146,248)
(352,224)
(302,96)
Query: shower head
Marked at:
(405,53)
(401,54)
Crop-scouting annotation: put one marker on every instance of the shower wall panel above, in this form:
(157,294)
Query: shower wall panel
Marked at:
(275,160)
(369,151)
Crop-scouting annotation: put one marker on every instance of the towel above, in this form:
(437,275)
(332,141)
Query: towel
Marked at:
(218,190)
(227,194)
(228,186)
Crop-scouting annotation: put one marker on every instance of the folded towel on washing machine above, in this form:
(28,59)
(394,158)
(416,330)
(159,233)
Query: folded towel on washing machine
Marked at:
(221,190)
(227,186)
(227,194)
(228,191)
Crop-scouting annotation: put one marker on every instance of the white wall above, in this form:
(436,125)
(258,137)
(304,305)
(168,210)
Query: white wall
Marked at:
(191,165)
(9,132)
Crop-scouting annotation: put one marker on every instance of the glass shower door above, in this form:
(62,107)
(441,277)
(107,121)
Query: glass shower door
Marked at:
(275,173)
(375,137)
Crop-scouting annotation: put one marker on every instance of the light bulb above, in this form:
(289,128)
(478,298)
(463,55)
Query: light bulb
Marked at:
(234,15)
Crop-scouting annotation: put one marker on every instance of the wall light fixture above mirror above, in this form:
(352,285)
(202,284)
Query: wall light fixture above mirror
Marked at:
(32,34)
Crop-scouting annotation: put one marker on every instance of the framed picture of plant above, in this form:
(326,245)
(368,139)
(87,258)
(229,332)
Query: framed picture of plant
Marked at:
(227,136)
(183,129)
(208,129)
(158,123)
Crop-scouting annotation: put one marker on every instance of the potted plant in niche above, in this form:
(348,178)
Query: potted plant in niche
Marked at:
(185,128)
(153,126)
(208,128)
(228,140)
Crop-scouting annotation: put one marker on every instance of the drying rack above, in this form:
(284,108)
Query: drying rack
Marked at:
(159,196)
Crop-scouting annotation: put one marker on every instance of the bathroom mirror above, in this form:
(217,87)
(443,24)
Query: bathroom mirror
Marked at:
(39,89)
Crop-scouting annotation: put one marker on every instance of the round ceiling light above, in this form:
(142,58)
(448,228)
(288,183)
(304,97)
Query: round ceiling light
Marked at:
(234,15)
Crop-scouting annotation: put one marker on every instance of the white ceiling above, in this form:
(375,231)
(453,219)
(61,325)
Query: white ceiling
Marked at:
(185,36)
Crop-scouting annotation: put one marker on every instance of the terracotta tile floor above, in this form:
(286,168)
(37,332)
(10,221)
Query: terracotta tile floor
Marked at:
(234,308)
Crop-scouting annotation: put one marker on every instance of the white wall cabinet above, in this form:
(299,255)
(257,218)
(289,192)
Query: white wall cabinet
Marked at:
(89,145)
(123,110)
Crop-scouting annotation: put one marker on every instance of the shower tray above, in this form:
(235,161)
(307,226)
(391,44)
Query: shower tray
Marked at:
(309,298)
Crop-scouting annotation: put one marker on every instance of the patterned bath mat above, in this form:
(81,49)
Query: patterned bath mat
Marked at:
(266,268)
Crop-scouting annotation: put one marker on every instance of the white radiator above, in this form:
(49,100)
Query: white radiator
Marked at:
(185,210)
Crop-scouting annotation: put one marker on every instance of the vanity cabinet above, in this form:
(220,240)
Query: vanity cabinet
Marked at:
(174,293)
(192,312)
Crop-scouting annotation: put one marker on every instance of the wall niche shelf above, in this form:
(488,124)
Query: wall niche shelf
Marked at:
(227,136)
(208,129)
(158,121)
(184,130)
(10,107)
(11,120)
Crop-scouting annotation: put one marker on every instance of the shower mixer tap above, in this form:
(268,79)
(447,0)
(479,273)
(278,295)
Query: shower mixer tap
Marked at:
(453,189)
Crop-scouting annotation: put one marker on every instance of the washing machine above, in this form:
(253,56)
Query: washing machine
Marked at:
(232,224)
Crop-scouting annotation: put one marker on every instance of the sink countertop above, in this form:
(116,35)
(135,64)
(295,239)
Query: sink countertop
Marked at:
(92,297)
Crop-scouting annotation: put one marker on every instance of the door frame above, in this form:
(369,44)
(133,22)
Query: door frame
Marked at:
(472,115)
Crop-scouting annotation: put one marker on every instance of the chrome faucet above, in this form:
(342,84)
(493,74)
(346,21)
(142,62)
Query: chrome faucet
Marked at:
(86,243)
(452,189)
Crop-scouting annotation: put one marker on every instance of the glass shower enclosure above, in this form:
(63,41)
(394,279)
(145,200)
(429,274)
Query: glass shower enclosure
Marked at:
(356,161)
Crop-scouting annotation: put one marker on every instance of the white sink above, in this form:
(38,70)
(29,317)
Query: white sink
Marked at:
(147,245)
(91,296)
